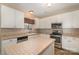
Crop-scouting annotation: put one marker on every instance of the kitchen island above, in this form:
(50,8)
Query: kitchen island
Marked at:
(40,44)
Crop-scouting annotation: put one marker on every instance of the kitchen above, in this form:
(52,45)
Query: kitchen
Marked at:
(25,30)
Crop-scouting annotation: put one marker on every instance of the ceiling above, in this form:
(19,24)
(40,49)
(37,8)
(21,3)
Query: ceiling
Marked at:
(41,10)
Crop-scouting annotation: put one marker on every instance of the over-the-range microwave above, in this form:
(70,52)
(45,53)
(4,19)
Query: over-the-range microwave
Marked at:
(56,25)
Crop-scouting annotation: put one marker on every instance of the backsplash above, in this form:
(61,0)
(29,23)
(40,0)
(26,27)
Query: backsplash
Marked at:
(4,31)
(71,30)
(9,31)
(65,30)
(45,31)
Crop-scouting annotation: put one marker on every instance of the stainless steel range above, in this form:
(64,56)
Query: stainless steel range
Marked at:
(57,34)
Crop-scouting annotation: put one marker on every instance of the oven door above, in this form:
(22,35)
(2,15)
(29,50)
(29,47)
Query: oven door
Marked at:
(57,37)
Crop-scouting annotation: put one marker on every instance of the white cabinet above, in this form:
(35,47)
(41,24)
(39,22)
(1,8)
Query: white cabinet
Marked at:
(41,23)
(11,18)
(5,43)
(7,17)
(53,19)
(67,20)
(8,42)
(19,19)
(56,19)
(70,43)
(66,42)
(45,23)
(71,20)
(36,25)
(75,19)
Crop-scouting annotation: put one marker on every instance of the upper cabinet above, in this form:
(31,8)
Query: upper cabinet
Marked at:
(11,18)
(71,20)
(36,25)
(75,19)
(19,19)
(7,17)
(44,24)
(67,20)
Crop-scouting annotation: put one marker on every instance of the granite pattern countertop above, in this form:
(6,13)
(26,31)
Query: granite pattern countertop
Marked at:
(33,46)
(15,35)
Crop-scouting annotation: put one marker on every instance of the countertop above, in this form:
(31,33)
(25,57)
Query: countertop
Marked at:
(15,35)
(33,46)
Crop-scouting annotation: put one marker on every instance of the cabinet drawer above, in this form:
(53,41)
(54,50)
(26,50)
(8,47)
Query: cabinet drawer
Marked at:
(66,39)
(13,41)
(5,42)
(9,42)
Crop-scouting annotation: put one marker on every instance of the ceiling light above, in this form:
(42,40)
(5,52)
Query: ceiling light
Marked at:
(31,11)
(49,4)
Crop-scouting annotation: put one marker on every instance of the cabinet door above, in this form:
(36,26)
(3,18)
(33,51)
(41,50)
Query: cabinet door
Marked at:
(5,43)
(59,18)
(19,19)
(41,23)
(75,43)
(7,17)
(36,23)
(67,20)
(8,42)
(70,43)
(75,19)
(53,19)
(67,42)
(45,23)
(48,24)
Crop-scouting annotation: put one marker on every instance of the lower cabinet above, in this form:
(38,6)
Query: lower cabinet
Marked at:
(70,43)
(49,50)
(8,42)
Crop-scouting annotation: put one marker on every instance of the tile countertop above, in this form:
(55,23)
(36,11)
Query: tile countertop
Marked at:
(14,35)
(33,46)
